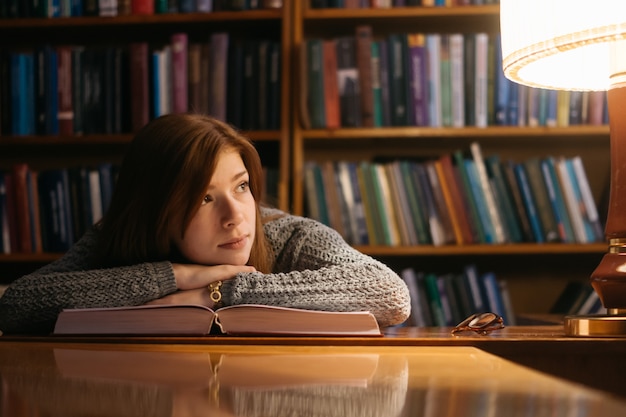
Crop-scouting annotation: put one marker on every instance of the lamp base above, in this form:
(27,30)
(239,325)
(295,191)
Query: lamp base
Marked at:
(599,325)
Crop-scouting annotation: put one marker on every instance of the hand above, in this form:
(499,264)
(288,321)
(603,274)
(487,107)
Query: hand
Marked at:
(189,277)
(199,296)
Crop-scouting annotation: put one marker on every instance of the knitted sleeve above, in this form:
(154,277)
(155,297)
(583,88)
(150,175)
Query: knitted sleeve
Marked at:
(316,269)
(32,302)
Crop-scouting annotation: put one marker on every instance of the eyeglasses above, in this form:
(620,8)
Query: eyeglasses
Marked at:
(481,323)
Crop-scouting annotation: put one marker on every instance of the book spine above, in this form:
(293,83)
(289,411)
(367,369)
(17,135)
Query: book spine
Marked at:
(537,184)
(348,82)
(418,76)
(66,108)
(480,80)
(456,80)
(317,78)
(330,89)
(433,50)
(141,7)
(180,44)
(219,70)
(385,97)
(494,214)
(363,44)
(398,80)
(529,202)
(377,95)
(139,85)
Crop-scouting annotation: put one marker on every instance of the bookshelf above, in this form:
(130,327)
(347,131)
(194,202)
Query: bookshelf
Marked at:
(55,151)
(535,273)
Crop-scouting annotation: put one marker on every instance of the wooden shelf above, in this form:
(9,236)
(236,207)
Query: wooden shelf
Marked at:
(101,139)
(486,250)
(425,250)
(464,132)
(395,13)
(165,18)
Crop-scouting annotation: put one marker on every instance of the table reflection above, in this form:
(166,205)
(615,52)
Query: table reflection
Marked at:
(62,379)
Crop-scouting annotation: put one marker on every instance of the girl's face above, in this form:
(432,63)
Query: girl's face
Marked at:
(222,230)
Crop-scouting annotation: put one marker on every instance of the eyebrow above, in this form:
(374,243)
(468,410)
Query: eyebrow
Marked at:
(235,177)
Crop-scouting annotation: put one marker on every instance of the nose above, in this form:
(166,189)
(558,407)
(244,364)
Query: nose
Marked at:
(231,211)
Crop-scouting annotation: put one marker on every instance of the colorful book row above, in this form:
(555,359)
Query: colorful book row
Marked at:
(427,79)
(445,300)
(385,4)
(48,210)
(12,9)
(73,90)
(459,198)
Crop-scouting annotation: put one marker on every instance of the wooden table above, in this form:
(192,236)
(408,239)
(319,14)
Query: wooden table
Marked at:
(291,376)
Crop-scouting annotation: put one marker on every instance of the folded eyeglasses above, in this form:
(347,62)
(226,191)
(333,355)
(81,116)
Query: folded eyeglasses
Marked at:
(481,323)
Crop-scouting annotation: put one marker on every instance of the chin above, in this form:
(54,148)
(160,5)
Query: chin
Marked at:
(234,259)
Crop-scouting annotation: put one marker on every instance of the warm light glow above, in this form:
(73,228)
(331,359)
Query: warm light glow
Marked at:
(564,44)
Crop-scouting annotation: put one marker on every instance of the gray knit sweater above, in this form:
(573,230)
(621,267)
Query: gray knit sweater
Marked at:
(314,269)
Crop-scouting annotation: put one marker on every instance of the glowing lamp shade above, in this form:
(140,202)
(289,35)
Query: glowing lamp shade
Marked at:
(563,44)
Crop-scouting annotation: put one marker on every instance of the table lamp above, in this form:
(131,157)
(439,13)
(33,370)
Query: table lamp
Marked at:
(580,45)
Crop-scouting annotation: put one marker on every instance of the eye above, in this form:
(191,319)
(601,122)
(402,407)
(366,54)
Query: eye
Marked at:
(243,187)
(206,199)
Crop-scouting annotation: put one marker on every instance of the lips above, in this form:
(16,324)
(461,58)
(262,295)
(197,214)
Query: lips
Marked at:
(236,243)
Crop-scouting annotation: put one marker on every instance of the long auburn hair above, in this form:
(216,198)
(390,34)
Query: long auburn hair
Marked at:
(160,185)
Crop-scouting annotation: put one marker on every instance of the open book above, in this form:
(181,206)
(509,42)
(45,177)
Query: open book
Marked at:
(243,319)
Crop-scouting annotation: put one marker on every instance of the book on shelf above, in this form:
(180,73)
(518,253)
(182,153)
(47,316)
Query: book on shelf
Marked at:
(377,84)
(438,232)
(519,212)
(219,74)
(528,200)
(420,313)
(398,79)
(243,319)
(417,75)
(348,82)
(330,89)
(250,80)
(590,210)
(180,72)
(443,209)
(385,93)
(417,210)
(363,45)
(503,199)
(273,79)
(577,297)
(236,75)
(557,200)
(481,63)
(46,90)
(263,57)
(538,188)
(452,202)
(65,114)
(402,209)
(438,78)
(435,303)
(335,205)
(316,79)
(487,193)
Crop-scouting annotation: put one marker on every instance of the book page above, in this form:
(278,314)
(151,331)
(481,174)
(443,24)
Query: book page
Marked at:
(258,319)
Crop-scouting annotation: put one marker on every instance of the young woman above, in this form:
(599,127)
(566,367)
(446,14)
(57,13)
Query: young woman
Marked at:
(185,225)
